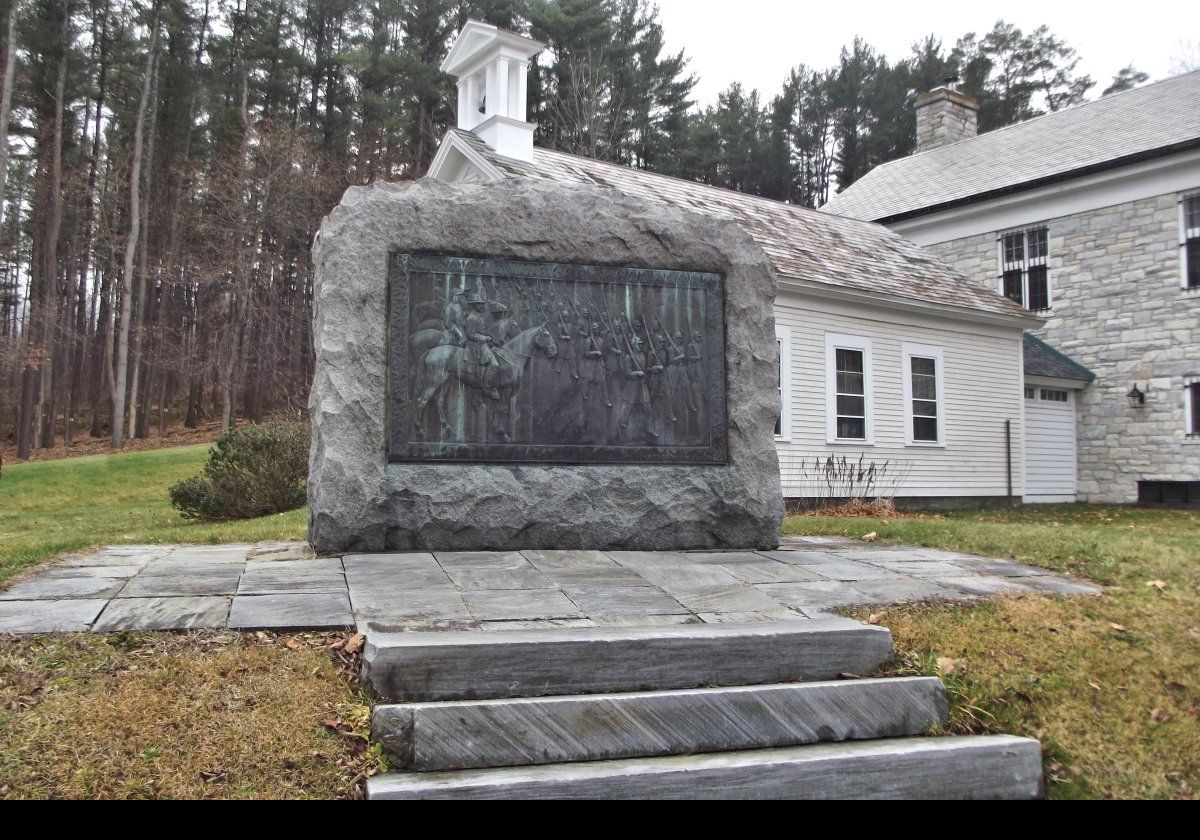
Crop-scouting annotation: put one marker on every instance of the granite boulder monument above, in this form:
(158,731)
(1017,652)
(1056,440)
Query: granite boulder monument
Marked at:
(527,365)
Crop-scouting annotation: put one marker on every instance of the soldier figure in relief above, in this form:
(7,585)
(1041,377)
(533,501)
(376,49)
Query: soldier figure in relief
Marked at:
(479,342)
(454,315)
(693,372)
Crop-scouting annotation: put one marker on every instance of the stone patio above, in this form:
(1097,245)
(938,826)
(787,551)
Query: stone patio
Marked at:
(282,585)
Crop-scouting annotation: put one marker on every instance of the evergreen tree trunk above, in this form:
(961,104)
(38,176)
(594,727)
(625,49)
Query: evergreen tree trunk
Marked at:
(6,90)
(120,375)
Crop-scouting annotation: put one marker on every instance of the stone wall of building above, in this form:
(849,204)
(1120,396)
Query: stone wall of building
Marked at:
(1119,310)
(945,116)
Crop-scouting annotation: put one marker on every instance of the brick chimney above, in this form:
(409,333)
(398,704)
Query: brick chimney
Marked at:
(945,116)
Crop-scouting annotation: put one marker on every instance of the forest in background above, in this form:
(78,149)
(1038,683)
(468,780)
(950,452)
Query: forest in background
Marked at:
(168,162)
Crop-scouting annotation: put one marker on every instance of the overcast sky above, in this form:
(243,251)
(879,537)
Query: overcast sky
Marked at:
(756,42)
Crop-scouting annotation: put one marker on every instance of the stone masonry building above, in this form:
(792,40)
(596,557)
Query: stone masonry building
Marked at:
(1090,218)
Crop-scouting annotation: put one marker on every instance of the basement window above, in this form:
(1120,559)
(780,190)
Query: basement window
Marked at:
(1025,268)
(1189,241)
(1169,493)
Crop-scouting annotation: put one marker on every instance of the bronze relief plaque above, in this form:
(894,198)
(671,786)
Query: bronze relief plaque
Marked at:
(498,361)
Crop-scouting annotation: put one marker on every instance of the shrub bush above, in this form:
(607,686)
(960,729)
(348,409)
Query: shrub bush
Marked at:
(251,471)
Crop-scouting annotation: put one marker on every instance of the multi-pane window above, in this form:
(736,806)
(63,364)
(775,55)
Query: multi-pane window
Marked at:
(1030,393)
(924,399)
(1024,268)
(924,409)
(1189,246)
(1054,395)
(779,386)
(783,423)
(1191,407)
(851,394)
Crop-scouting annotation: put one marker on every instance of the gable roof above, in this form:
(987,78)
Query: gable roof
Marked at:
(1043,360)
(1150,121)
(803,244)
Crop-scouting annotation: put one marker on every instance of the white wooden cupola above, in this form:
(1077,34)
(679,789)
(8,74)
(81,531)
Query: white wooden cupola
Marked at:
(491,66)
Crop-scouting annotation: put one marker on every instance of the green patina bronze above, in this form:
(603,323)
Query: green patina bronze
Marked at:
(516,362)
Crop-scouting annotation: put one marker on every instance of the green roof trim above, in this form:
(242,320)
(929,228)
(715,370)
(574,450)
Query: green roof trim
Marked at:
(1043,360)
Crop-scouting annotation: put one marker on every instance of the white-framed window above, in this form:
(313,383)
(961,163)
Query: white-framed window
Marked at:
(783,424)
(1025,267)
(1055,395)
(1191,406)
(924,395)
(1189,241)
(848,390)
(1030,392)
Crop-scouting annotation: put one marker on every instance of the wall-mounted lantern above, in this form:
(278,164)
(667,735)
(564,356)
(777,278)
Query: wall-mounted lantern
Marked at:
(1137,397)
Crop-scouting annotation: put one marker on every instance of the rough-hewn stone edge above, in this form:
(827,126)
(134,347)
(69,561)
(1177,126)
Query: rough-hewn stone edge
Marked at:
(525,731)
(962,767)
(467,665)
(375,512)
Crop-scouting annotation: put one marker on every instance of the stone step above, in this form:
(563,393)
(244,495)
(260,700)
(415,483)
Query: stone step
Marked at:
(472,665)
(973,767)
(549,730)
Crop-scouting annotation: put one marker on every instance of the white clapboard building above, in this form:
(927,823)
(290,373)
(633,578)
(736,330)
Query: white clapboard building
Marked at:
(1090,218)
(895,369)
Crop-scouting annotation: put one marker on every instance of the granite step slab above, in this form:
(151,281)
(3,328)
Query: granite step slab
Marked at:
(551,730)
(412,667)
(970,767)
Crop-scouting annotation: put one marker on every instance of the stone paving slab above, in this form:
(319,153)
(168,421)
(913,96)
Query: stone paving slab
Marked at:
(515,604)
(771,571)
(186,582)
(822,593)
(277,584)
(187,613)
(471,578)
(283,576)
(254,612)
(624,600)
(70,616)
(37,589)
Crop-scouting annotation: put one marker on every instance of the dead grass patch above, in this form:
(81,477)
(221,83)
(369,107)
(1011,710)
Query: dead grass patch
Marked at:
(1110,684)
(216,715)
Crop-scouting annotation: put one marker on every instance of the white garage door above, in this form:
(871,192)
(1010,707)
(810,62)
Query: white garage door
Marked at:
(1049,445)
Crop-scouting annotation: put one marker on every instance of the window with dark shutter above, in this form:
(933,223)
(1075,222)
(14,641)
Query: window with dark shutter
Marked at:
(1025,268)
(1190,245)
(1192,407)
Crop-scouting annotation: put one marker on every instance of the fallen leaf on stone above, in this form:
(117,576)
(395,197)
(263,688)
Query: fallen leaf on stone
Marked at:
(845,675)
(946,665)
(871,537)
(1160,585)
(355,643)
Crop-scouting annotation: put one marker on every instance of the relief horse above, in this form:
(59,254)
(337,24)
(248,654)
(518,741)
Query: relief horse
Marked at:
(424,340)
(441,364)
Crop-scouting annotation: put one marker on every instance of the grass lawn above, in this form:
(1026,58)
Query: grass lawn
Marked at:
(1110,684)
(50,507)
(216,715)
